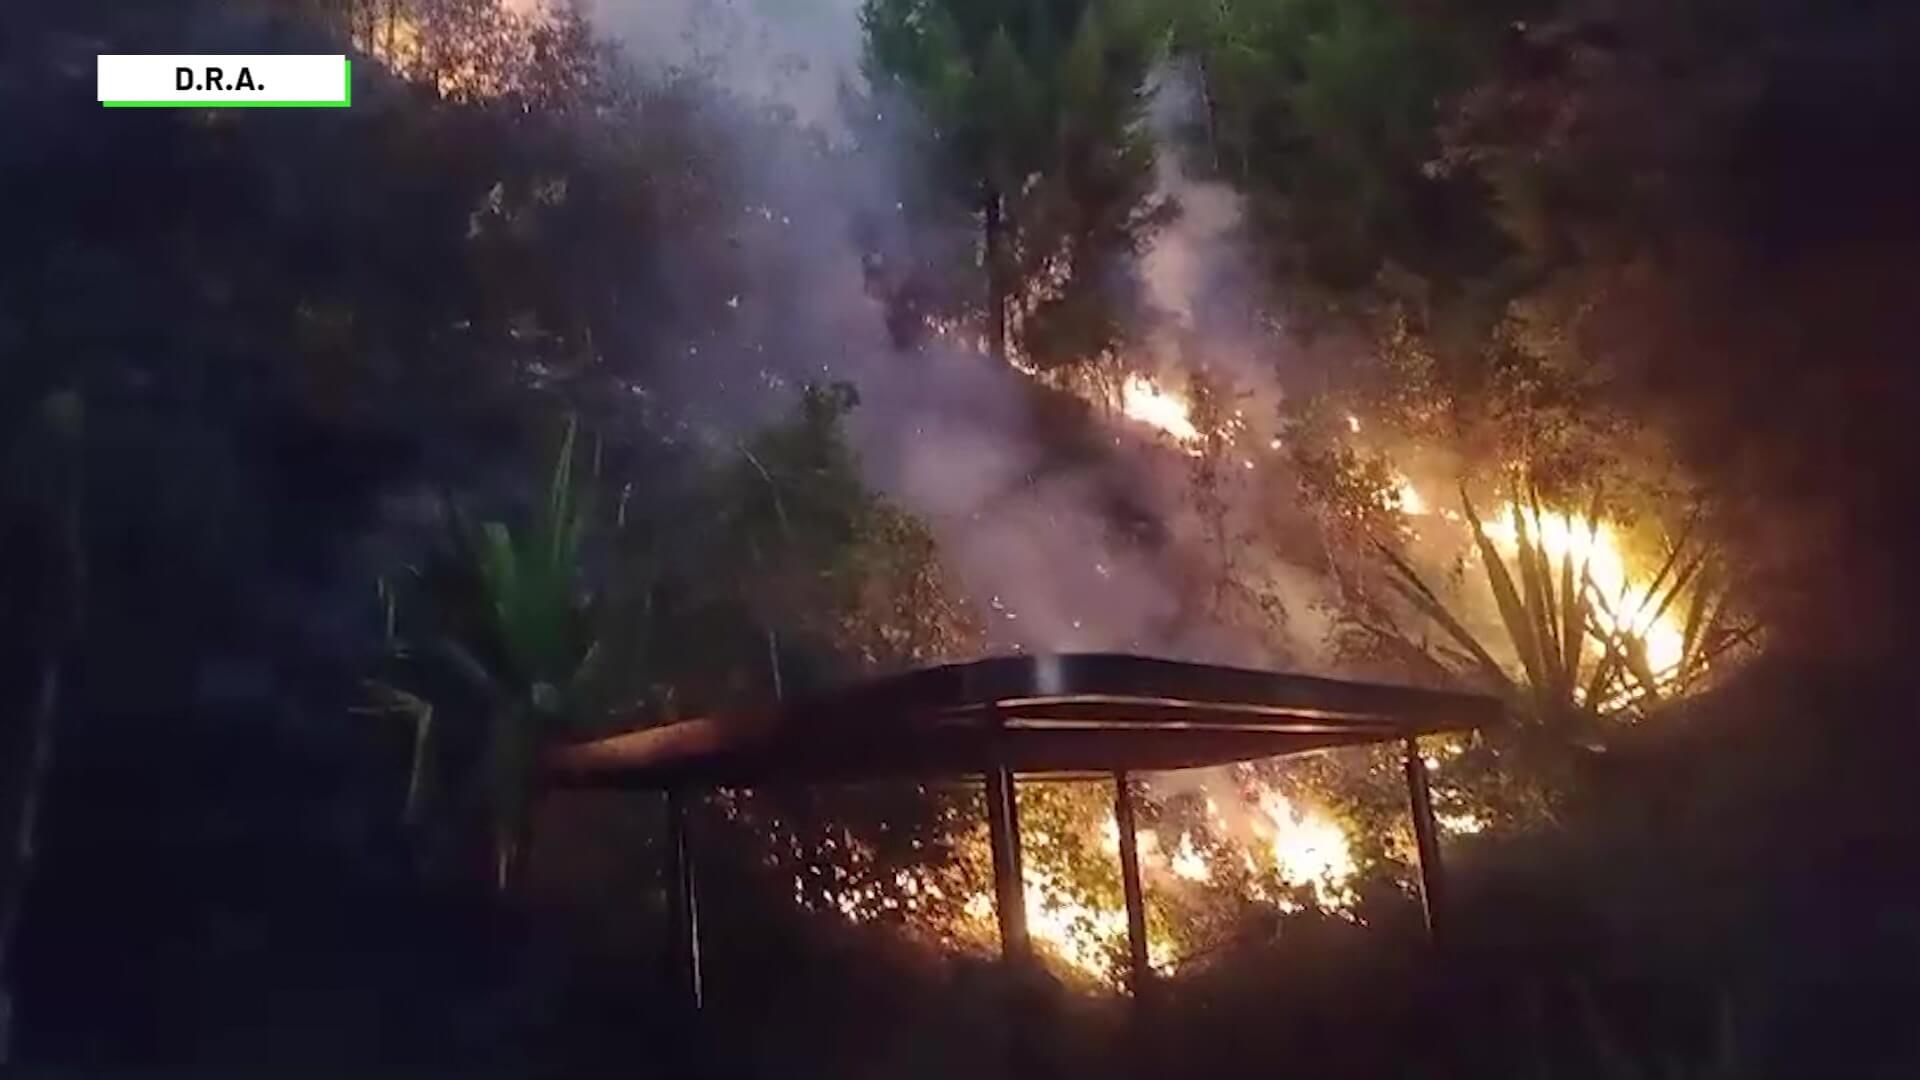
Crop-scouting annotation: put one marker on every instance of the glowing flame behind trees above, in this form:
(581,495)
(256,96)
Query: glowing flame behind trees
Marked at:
(1587,637)
(1563,610)
(1201,873)
(1581,630)
(1566,617)
(1626,602)
(1142,400)
(1310,850)
(478,50)
(1204,875)
(1584,631)
(1298,837)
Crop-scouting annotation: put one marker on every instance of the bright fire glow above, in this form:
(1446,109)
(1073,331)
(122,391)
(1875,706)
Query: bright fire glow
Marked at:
(1410,501)
(1085,936)
(1594,545)
(1310,850)
(1147,840)
(1187,862)
(1141,399)
(456,66)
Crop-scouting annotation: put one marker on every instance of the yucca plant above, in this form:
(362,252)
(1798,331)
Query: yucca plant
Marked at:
(1581,654)
(505,615)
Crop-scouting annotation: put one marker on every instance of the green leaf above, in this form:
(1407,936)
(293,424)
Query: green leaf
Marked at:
(1512,612)
(1573,596)
(1536,602)
(422,763)
(559,523)
(1666,567)
(390,700)
(1604,674)
(1702,614)
(1410,585)
(1679,585)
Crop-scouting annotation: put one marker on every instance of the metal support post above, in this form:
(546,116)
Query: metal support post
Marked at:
(683,902)
(1426,835)
(1140,971)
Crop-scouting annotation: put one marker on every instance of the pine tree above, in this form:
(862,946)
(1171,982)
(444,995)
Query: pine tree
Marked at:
(1036,109)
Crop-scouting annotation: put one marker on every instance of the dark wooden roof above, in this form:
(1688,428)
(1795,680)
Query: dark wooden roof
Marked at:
(1044,715)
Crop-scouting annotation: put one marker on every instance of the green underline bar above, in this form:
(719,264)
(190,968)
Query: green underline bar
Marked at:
(224,104)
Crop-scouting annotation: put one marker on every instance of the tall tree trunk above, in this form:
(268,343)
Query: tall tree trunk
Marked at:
(996,277)
(67,593)
(1213,116)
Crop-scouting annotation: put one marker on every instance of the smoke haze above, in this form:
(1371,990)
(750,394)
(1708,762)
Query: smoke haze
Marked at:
(1061,545)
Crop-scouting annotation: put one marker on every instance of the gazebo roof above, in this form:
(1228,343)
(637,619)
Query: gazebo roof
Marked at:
(1049,715)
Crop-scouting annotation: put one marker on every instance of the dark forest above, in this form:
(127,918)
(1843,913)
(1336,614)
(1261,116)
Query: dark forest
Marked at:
(611,365)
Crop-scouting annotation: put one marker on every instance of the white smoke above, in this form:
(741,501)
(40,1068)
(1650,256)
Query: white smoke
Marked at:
(796,53)
(1060,547)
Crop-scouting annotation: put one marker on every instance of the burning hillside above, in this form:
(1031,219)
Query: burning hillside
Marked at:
(1282,853)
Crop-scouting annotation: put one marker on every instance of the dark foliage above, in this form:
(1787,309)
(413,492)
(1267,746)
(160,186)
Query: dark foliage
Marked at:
(293,336)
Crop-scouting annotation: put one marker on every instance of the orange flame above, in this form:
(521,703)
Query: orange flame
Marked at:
(1142,400)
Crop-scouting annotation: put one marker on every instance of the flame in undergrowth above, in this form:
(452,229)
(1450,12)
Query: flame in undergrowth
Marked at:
(1408,497)
(1595,546)
(1140,398)
(1302,847)
(1143,400)
(1630,609)
(1147,840)
(471,54)
(1187,862)
(1085,936)
(1310,850)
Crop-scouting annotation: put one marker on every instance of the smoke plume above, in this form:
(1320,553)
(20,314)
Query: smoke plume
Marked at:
(1065,542)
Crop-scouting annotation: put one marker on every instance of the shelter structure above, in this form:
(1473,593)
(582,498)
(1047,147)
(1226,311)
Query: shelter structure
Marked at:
(1087,716)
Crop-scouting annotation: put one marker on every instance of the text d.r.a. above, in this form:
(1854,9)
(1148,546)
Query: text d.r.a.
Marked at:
(213,78)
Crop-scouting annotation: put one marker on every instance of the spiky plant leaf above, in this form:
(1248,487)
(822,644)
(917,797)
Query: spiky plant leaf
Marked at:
(1725,642)
(1579,649)
(392,700)
(1634,648)
(1667,565)
(1512,612)
(512,622)
(1549,616)
(1605,672)
(1672,593)
(1699,616)
(1570,622)
(559,523)
(1618,645)
(1536,604)
(1410,585)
